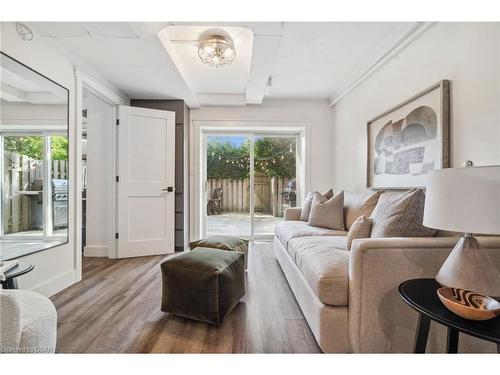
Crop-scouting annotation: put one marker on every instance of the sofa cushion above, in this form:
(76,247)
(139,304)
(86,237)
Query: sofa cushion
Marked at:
(306,206)
(400,215)
(359,204)
(361,228)
(286,230)
(327,213)
(324,263)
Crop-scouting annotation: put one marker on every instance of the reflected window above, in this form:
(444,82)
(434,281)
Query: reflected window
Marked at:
(34,169)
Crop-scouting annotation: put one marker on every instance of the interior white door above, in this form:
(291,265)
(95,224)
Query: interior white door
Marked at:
(146,197)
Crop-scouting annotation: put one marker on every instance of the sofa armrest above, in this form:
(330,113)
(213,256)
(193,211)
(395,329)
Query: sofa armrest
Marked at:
(379,321)
(293,213)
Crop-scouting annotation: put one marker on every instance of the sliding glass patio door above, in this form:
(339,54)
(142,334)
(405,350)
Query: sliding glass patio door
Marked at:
(227,184)
(249,181)
(275,180)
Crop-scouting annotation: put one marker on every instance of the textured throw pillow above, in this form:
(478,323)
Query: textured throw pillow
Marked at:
(327,213)
(400,215)
(306,206)
(359,204)
(361,228)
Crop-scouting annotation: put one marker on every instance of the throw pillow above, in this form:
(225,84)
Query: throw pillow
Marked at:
(327,213)
(361,228)
(400,215)
(359,204)
(306,206)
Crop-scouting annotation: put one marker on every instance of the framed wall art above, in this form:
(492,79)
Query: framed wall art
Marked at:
(409,140)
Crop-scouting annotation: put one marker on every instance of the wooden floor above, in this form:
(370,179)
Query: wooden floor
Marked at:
(116,309)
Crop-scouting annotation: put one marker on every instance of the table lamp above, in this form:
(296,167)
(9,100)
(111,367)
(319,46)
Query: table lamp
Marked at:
(466,200)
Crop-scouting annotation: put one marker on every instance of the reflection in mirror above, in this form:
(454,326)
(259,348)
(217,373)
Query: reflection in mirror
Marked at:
(34,166)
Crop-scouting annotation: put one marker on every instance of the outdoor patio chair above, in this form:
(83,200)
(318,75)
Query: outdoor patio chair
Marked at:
(214,205)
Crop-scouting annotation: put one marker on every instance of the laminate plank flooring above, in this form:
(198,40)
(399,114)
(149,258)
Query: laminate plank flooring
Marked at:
(116,309)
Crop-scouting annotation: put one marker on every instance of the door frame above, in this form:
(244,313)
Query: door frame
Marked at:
(84,81)
(302,128)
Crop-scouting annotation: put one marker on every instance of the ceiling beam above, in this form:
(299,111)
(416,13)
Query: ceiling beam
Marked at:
(417,29)
(192,100)
(11,94)
(229,100)
(265,49)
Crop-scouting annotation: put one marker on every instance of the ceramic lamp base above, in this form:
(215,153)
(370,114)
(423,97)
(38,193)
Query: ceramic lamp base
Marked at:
(470,267)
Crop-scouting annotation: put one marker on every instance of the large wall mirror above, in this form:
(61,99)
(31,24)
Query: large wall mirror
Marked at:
(34,168)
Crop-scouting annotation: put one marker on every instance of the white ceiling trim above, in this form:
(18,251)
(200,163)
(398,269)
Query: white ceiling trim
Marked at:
(417,29)
(264,52)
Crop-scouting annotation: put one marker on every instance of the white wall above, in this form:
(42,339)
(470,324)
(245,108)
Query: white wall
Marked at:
(100,119)
(56,268)
(468,54)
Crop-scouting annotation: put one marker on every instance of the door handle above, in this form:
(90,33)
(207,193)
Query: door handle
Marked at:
(168,189)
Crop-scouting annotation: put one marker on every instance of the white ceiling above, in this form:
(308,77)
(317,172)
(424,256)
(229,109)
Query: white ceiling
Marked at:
(304,60)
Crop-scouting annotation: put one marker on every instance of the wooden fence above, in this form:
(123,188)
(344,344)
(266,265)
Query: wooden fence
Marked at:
(19,173)
(236,194)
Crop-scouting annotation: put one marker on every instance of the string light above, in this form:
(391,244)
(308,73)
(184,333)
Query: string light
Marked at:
(266,160)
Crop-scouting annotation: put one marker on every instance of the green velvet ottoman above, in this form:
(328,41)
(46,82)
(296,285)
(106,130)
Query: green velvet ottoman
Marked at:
(230,243)
(203,284)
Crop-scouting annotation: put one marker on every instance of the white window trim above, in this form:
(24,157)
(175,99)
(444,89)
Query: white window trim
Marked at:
(267,127)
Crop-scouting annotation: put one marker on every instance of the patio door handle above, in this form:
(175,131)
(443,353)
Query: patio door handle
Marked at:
(168,189)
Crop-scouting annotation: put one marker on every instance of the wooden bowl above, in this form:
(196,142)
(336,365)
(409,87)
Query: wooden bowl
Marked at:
(469,305)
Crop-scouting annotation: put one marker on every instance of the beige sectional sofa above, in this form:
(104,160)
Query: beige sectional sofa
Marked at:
(350,298)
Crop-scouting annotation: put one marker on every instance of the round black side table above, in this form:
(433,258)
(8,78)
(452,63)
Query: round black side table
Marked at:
(421,294)
(11,275)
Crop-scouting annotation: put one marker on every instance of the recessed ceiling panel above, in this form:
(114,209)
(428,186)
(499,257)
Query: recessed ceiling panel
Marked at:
(182,42)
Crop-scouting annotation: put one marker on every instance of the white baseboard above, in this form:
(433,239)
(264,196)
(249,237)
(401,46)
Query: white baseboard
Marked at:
(96,251)
(56,284)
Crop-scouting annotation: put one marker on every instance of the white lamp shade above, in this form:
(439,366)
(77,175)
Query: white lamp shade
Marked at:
(464,200)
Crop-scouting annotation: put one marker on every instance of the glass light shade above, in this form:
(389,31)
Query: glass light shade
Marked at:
(216,51)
